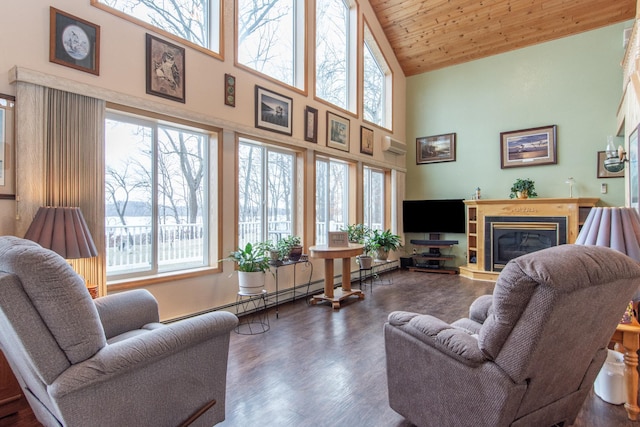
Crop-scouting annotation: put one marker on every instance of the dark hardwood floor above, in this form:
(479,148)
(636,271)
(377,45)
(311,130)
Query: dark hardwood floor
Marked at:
(322,367)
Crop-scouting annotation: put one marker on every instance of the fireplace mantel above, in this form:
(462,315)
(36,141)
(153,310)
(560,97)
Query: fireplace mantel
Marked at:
(575,210)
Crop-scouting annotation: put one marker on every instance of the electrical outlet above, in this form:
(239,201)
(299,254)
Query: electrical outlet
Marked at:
(603,188)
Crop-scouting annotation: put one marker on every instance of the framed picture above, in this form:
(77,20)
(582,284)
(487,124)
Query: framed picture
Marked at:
(436,148)
(273,111)
(366,140)
(602,172)
(7,147)
(528,147)
(165,69)
(229,90)
(337,132)
(311,124)
(74,42)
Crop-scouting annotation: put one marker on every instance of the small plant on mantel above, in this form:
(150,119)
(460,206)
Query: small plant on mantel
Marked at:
(523,188)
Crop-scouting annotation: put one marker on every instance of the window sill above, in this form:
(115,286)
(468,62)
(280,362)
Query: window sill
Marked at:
(137,282)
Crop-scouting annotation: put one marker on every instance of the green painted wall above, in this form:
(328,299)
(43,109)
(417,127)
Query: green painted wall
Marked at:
(574,83)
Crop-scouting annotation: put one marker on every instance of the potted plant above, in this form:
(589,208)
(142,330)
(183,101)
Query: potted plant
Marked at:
(290,246)
(383,242)
(523,188)
(275,256)
(252,266)
(357,232)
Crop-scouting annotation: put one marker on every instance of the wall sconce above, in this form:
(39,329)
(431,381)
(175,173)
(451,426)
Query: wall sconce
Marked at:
(615,157)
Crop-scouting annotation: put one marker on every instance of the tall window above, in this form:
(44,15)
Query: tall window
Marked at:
(270,38)
(332,51)
(197,21)
(374,197)
(332,197)
(156,196)
(266,192)
(377,83)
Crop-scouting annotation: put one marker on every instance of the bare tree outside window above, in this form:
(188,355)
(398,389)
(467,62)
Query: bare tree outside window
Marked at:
(266,37)
(197,21)
(374,76)
(332,47)
(155,189)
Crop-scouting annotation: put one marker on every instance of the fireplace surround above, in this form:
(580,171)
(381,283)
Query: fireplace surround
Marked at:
(521,225)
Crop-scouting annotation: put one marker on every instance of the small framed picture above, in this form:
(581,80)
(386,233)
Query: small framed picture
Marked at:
(337,132)
(338,239)
(7,147)
(436,148)
(74,42)
(274,112)
(165,69)
(528,147)
(229,90)
(366,140)
(602,172)
(311,124)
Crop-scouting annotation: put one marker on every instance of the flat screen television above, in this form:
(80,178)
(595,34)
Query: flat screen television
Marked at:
(433,216)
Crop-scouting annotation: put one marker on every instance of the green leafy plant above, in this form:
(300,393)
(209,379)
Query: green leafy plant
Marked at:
(286,243)
(357,233)
(523,186)
(385,240)
(251,258)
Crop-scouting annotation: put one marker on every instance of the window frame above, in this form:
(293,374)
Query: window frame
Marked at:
(210,204)
(299,61)
(370,42)
(385,192)
(351,72)
(268,147)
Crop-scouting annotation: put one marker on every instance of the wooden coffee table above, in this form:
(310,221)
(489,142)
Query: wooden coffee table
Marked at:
(329,254)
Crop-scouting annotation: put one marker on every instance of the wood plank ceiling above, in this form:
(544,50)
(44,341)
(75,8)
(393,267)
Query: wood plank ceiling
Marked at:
(431,34)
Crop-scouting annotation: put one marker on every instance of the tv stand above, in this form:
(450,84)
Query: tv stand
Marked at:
(433,260)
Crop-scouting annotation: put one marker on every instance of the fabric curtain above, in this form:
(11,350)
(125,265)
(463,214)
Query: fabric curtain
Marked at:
(60,162)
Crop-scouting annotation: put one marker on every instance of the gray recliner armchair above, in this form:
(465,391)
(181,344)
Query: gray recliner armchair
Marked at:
(108,362)
(526,356)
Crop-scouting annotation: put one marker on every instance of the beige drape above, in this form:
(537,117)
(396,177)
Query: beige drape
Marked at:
(60,162)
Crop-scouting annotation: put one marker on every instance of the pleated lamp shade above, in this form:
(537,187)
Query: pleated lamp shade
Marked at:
(64,231)
(616,228)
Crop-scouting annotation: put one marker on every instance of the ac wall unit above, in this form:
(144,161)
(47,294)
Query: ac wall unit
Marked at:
(394,146)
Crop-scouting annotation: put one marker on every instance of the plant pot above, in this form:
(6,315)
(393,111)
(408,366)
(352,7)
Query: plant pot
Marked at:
(251,282)
(382,255)
(524,194)
(365,262)
(274,257)
(295,253)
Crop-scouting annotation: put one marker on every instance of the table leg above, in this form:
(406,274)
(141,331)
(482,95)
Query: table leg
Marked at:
(346,274)
(630,377)
(328,278)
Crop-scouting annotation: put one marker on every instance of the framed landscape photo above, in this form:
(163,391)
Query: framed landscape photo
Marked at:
(337,132)
(165,69)
(274,112)
(436,148)
(311,124)
(366,140)
(528,147)
(74,42)
(602,172)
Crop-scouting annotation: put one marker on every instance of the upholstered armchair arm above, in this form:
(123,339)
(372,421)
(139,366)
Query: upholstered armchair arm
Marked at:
(448,339)
(135,355)
(126,311)
(481,308)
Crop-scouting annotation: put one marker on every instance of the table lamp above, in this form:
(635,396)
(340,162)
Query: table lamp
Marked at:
(616,228)
(64,231)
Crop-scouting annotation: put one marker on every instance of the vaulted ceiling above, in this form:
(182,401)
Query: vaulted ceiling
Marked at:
(430,34)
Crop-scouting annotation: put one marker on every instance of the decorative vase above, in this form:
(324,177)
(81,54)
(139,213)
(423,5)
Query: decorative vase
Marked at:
(251,283)
(365,262)
(295,253)
(381,254)
(524,194)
